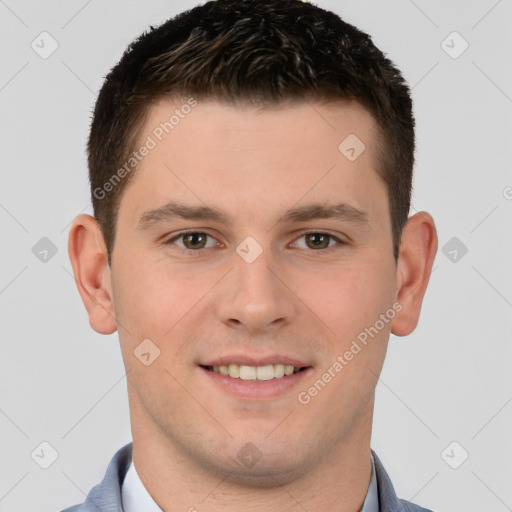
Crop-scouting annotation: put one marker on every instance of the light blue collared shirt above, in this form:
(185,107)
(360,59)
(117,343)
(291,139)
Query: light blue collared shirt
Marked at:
(136,498)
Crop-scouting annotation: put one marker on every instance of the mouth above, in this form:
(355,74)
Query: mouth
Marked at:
(256,380)
(255,373)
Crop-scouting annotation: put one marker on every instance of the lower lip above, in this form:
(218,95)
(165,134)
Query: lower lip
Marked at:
(257,389)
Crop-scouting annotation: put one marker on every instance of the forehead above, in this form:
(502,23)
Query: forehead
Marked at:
(267,156)
(225,124)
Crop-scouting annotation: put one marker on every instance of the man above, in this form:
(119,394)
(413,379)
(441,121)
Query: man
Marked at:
(251,168)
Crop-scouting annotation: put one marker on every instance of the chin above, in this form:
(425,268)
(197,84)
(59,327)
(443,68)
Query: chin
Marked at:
(269,467)
(265,474)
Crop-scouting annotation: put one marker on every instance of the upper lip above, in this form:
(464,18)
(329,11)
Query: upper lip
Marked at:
(244,359)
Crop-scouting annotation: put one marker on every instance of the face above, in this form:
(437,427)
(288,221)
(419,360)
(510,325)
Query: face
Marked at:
(247,238)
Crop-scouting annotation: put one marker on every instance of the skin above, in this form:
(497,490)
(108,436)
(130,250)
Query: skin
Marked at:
(295,299)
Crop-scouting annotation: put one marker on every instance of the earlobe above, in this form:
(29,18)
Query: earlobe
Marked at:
(88,256)
(417,252)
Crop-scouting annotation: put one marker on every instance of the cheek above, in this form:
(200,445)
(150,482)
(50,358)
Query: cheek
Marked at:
(148,297)
(350,302)
(154,300)
(351,297)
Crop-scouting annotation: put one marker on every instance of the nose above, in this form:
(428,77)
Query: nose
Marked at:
(256,297)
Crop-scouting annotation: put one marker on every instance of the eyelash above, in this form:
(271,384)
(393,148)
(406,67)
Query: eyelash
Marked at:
(196,252)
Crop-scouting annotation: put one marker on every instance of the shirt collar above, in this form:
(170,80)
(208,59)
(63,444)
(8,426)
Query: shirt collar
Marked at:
(135,496)
(371,503)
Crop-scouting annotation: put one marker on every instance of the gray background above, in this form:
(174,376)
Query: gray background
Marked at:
(449,381)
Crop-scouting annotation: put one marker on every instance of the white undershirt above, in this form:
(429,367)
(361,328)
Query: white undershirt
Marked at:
(136,498)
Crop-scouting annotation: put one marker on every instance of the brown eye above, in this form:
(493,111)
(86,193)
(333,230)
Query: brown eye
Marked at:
(194,240)
(317,240)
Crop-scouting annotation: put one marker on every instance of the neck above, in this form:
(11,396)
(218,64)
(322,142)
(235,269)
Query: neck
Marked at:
(337,482)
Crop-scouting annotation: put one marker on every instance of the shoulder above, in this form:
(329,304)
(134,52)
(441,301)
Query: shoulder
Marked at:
(106,496)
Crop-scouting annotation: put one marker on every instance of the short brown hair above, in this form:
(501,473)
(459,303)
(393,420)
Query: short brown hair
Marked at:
(261,51)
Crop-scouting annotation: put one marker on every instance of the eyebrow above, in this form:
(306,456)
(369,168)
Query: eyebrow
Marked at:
(341,211)
(173,210)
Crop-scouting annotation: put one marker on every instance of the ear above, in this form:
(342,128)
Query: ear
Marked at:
(418,248)
(88,255)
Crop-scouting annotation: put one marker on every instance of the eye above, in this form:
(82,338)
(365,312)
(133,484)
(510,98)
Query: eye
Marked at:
(192,240)
(198,240)
(317,240)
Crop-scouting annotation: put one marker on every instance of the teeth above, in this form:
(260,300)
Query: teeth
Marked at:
(278,371)
(247,372)
(266,372)
(233,371)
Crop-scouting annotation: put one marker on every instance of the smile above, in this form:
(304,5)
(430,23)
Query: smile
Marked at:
(262,373)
